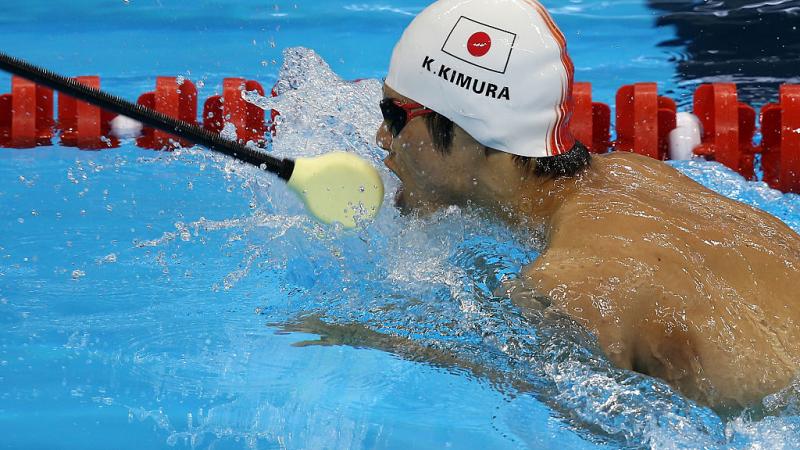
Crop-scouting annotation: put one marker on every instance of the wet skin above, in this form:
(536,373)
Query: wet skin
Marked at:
(675,280)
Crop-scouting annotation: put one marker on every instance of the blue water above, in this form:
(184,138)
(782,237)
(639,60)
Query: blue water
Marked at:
(172,300)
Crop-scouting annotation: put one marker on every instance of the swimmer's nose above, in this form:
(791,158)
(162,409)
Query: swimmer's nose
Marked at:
(384,137)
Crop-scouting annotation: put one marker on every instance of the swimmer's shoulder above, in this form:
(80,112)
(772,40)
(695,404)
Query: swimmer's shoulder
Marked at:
(622,165)
(625,178)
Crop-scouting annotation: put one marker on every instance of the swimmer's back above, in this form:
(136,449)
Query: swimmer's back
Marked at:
(683,283)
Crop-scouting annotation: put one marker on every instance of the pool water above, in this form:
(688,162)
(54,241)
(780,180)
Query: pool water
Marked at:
(181,300)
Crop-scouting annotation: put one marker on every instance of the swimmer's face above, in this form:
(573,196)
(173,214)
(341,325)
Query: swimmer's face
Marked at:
(431,179)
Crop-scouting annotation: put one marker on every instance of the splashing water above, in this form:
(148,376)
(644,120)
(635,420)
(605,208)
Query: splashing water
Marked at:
(422,288)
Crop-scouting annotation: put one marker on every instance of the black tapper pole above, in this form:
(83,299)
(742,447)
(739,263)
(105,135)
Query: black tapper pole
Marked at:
(154,119)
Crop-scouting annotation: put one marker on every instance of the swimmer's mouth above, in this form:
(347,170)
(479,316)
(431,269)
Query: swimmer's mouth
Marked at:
(398,196)
(389,162)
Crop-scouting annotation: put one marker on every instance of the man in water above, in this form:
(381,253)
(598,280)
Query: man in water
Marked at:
(676,281)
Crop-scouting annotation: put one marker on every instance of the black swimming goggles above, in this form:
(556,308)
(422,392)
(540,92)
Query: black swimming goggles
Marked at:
(398,113)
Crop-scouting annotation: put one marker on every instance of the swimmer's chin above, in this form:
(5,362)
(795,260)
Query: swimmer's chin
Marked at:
(413,207)
(404,205)
(400,201)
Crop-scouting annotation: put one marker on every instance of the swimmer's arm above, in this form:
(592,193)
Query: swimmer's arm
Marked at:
(523,295)
(628,330)
(531,289)
(359,336)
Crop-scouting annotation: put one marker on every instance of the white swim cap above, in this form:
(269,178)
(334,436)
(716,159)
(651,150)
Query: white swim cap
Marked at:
(497,68)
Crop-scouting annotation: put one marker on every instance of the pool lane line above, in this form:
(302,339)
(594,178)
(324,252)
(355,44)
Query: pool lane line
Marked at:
(335,187)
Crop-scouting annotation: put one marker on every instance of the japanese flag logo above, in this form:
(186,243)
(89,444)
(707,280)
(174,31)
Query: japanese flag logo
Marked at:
(480,44)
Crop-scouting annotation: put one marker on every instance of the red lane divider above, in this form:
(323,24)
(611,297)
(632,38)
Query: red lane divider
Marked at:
(26,115)
(82,125)
(5,119)
(273,115)
(231,108)
(780,128)
(591,121)
(176,98)
(644,120)
(728,127)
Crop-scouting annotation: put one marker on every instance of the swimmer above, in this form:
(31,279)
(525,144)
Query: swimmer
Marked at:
(674,280)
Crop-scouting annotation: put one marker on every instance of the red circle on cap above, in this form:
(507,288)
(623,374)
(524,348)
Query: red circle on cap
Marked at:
(479,44)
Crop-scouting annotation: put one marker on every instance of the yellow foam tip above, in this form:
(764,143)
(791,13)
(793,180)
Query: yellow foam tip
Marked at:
(338,187)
